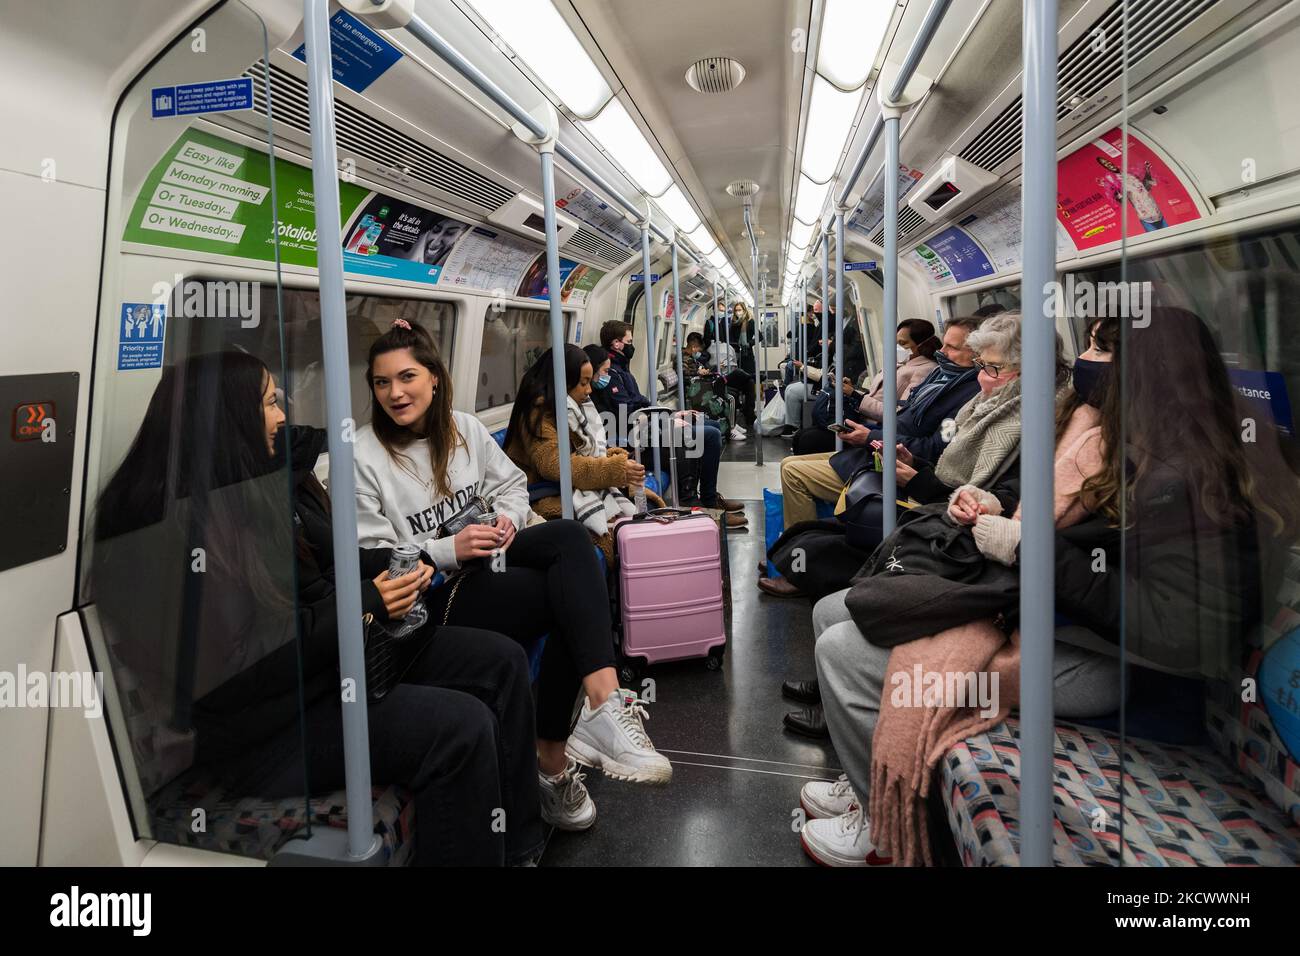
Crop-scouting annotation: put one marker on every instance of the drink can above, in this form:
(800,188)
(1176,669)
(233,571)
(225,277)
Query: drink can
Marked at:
(405,559)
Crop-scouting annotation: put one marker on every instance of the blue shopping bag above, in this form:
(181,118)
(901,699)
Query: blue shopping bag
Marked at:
(774,523)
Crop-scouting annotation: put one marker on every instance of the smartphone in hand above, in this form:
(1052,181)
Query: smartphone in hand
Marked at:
(837,428)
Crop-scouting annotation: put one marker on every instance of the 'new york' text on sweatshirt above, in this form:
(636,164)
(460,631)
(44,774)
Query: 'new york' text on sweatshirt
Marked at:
(398,503)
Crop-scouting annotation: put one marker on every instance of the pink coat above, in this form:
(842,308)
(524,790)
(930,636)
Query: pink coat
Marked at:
(910,374)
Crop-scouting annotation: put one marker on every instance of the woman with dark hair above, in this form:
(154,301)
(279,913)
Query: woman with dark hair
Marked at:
(234,675)
(419,466)
(599,472)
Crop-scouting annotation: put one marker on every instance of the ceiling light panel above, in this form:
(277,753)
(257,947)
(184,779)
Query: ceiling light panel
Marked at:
(851,33)
(615,131)
(809,199)
(830,117)
(540,37)
(679,210)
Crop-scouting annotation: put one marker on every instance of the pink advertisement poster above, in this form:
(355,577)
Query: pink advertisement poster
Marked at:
(1093,181)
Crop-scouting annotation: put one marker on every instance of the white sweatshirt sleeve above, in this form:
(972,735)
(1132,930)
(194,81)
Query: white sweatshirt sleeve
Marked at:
(504,483)
(374,530)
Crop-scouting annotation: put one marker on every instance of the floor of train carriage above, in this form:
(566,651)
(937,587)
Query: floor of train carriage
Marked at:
(736,772)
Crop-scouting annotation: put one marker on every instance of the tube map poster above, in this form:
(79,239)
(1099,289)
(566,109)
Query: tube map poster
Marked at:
(1093,182)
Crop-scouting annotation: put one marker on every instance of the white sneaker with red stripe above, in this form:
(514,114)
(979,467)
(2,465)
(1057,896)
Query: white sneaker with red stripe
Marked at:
(842,841)
(821,799)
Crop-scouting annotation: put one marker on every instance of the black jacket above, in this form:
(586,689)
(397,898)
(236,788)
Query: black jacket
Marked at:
(921,432)
(1190,591)
(253,704)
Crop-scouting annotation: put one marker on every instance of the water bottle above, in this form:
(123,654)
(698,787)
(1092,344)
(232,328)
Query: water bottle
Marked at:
(638,496)
(404,560)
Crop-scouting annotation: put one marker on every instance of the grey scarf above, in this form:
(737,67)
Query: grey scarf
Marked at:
(988,430)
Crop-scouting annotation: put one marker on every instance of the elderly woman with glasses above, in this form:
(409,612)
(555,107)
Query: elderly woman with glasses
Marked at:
(986,441)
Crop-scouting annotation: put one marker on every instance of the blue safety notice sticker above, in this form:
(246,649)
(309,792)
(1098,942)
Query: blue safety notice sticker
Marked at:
(217,96)
(141,333)
(360,55)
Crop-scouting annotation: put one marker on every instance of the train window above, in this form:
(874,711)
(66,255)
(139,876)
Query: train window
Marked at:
(1245,288)
(513,339)
(968,303)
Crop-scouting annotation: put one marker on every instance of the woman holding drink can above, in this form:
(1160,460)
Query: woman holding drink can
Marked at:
(420,467)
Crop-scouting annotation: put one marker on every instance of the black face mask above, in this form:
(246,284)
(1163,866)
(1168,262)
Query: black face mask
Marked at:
(1090,380)
(628,351)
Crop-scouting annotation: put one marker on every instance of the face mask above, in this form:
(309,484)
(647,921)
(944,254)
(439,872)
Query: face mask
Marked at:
(903,354)
(628,351)
(601,382)
(1090,380)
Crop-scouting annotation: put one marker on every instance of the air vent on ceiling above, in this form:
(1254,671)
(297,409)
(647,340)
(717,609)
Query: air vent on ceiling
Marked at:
(367,137)
(909,221)
(594,246)
(1083,72)
(715,74)
(743,188)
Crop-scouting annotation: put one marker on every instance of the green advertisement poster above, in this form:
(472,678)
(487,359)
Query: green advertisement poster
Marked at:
(208,194)
(579,284)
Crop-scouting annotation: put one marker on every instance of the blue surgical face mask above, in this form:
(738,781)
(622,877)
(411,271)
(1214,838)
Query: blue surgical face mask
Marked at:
(601,382)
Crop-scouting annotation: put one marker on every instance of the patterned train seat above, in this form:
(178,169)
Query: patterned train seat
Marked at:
(1182,806)
(255,827)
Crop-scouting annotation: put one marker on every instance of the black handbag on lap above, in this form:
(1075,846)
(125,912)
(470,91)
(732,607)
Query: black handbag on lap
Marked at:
(926,577)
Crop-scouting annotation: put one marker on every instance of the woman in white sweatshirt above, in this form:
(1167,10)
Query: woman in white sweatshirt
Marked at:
(419,463)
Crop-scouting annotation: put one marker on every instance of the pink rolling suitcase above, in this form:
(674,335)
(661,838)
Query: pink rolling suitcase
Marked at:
(670,588)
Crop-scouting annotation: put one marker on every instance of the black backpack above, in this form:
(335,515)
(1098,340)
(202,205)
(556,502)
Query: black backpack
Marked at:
(926,577)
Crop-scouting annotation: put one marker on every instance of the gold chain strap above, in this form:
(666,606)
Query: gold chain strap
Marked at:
(446,613)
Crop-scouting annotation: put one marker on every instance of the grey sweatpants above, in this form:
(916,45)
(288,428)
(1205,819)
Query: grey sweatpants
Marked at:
(851,672)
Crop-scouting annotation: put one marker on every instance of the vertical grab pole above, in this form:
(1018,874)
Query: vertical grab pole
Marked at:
(680,330)
(826,310)
(760,366)
(888,324)
(1038,389)
(547,153)
(362,841)
(840,309)
(803,330)
(650,344)
(726,319)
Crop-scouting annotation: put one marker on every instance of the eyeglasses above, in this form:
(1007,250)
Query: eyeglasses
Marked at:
(993,370)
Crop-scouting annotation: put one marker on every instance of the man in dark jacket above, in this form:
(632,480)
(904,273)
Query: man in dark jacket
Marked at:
(616,339)
(822,476)
(920,419)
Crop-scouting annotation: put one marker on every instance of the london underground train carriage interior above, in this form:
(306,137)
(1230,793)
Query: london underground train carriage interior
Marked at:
(929,493)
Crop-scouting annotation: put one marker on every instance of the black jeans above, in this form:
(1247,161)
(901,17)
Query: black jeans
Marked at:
(467,753)
(742,383)
(552,585)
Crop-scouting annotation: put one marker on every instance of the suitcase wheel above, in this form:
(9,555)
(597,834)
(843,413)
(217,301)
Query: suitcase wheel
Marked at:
(714,661)
(628,672)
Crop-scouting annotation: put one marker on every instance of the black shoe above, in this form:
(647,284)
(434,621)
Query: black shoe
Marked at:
(788,431)
(809,722)
(802,691)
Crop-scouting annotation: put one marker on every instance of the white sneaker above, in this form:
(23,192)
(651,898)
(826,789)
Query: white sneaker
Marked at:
(820,799)
(841,841)
(613,738)
(738,433)
(566,804)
